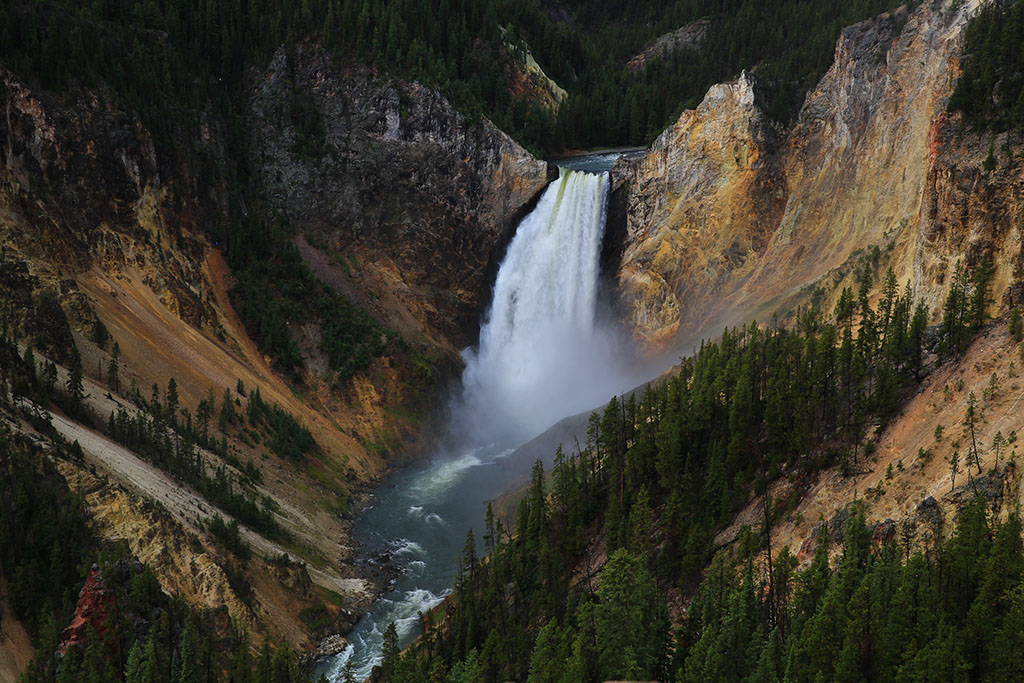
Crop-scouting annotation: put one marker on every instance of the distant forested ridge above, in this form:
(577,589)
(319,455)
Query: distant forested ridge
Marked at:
(171,59)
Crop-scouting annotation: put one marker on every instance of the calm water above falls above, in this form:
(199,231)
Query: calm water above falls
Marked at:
(542,356)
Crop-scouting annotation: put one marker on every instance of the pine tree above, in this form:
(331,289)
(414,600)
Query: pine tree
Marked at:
(171,401)
(190,670)
(204,412)
(981,284)
(551,652)
(970,423)
(113,368)
(1016,325)
(631,619)
(50,378)
(389,654)
(583,663)
(954,312)
(998,441)
(469,670)
(74,384)
(491,532)
(954,469)
(30,360)
(641,522)
(135,668)
(469,563)
(227,410)
(1008,640)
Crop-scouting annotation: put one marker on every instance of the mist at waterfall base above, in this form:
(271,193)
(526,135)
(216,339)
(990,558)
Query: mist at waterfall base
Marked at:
(544,354)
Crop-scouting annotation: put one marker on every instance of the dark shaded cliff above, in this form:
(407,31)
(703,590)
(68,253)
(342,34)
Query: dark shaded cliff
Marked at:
(388,174)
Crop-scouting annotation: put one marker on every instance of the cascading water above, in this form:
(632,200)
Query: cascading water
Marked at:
(542,356)
(539,345)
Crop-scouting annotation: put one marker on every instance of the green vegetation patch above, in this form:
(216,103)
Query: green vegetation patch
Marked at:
(288,438)
(274,290)
(662,471)
(990,92)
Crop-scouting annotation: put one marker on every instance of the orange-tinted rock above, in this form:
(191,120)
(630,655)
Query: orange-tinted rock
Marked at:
(731,218)
(95,603)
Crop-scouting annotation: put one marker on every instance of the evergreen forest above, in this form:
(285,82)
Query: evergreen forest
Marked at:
(663,470)
(171,59)
(48,551)
(990,92)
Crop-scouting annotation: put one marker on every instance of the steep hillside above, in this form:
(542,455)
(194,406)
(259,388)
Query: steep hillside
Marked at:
(907,487)
(729,218)
(133,266)
(688,37)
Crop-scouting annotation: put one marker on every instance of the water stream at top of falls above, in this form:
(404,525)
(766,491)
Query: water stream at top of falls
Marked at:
(542,356)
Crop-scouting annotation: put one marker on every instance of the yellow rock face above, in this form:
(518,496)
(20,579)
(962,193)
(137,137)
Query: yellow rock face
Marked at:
(730,217)
(156,540)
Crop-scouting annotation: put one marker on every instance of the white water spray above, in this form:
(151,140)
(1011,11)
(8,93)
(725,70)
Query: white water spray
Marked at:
(541,354)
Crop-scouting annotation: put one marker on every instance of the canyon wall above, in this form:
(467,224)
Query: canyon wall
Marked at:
(729,217)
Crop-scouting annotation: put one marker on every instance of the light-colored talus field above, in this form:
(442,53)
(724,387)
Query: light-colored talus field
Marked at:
(731,218)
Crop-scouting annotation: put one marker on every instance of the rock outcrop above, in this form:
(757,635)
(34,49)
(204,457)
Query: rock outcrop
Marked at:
(421,197)
(714,167)
(82,186)
(689,36)
(730,218)
(95,604)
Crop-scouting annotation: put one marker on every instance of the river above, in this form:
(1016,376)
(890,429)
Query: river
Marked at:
(543,355)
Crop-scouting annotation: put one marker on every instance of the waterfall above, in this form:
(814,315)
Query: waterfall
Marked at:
(541,354)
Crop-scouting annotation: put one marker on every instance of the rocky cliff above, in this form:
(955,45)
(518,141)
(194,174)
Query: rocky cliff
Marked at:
(713,167)
(730,217)
(82,187)
(416,197)
(687,37)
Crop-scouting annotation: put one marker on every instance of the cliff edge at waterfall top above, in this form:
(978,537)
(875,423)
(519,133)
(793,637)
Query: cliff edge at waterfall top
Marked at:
(433,340)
